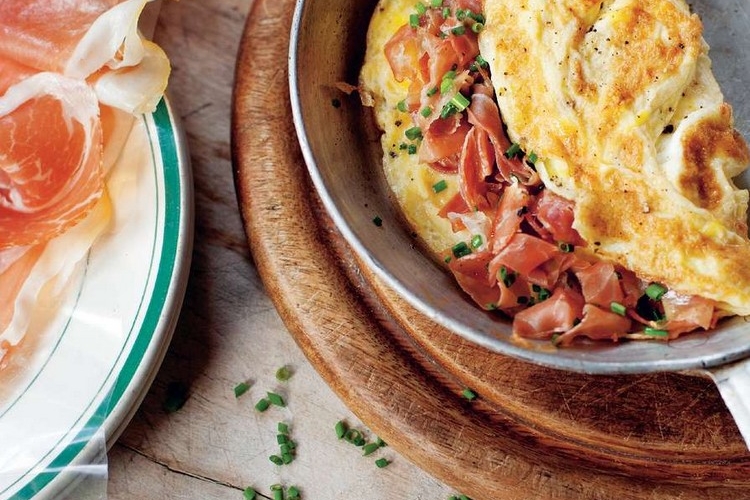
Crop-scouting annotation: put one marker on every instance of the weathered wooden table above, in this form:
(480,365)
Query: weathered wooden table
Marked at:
(229,332)
(658,436)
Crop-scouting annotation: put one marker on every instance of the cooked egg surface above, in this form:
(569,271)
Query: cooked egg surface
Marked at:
(618,100)
(411,182)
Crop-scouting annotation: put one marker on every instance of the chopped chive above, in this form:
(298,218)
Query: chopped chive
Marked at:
(282,428)
(340,429)
(283,374)
(411,149)
(381,462)
(249,493)
(446,84)
(460,14)
(282,439)
(481,61)
(276,459)
(565,247)
(287,458)
(426,111)
(292,493)
(468,394)
(431,92)
(447,259)
(448,110)
(446,13)
(421,8)
(513,150)
(369,448)
(655,332)
(507,277)
(401,106)
(414,20)
(460,101)
(655,291)
(532,157)
(413,133)
(618,308)
(477,17)
(377,221)
(436,3)
(477,27)
(262,405)
(463,497)
(241,389)
(460,249)
(476,241)
(352,435)
(458,30)
(278,491)
(440,185)
(275,399)
(543,294)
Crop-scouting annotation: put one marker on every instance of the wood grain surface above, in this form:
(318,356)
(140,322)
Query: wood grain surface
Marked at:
(229,331)
(533,432)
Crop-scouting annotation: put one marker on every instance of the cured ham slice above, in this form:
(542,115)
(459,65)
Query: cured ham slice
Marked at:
(94,40)
(45,268)
(72,73)
(15,267)
(50,158)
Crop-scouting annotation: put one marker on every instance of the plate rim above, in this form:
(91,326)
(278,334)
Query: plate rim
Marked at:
(144,358)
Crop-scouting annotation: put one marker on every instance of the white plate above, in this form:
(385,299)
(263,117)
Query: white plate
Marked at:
(90,368)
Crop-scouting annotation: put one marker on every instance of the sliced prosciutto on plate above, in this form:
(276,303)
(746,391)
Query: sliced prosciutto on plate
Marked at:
(70,74)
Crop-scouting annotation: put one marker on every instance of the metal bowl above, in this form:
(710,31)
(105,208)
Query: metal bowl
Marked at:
(341,147)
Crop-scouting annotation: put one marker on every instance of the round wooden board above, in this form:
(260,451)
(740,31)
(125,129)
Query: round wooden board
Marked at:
(533,432)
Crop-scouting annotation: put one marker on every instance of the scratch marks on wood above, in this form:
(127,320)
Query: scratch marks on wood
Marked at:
(179,471)
(195,111)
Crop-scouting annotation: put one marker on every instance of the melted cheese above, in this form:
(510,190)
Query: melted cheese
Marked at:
(618,100)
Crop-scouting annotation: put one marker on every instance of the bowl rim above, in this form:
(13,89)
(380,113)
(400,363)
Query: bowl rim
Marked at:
(586,363)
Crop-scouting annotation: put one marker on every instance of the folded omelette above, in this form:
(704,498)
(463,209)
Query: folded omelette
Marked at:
(602,205)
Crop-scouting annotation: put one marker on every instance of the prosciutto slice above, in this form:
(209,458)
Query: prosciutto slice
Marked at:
(65,66)
(93,40)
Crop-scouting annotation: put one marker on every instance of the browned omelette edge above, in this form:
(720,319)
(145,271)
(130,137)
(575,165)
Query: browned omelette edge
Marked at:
(396,391)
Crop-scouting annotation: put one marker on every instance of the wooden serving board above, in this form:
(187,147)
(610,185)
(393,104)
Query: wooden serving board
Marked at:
(533,432)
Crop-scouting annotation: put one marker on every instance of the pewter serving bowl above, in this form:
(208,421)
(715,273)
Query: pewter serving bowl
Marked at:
(341,147)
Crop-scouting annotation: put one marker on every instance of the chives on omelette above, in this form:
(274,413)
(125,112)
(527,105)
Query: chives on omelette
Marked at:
(440,186)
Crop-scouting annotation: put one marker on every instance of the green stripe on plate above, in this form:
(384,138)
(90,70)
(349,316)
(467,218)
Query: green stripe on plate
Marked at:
(173,218)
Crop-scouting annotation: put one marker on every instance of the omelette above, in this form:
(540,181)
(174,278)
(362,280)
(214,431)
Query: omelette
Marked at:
(570,161)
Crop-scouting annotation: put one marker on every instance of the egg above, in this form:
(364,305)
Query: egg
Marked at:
(619,101)
(411,181)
